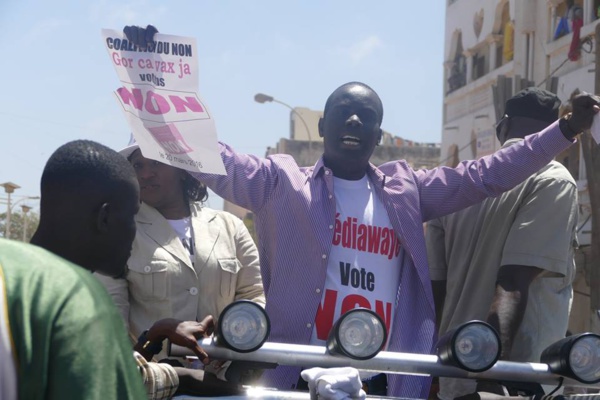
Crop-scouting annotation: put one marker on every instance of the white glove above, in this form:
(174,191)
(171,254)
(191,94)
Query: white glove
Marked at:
(334,383)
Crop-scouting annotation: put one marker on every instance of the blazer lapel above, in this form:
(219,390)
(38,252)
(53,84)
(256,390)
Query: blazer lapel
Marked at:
(158,229)
(206,233)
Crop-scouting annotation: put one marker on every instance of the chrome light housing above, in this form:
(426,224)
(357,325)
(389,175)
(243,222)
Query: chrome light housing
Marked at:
(473,346)
(576,356)
(243,326)
(359,333)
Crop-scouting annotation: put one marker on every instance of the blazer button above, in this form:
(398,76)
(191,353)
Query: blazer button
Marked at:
(147,268)
(193,291)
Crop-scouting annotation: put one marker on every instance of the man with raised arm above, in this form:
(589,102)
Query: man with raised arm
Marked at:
(344,233)
(510,259)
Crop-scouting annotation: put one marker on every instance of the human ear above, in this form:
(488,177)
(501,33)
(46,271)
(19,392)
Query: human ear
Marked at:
(380,136)
(502,130)
(321,127)
(102,218)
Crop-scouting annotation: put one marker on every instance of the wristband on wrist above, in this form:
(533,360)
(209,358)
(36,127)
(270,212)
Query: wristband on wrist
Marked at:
(565,128)
(150,347)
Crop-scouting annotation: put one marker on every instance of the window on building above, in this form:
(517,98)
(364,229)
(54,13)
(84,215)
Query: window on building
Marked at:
(457,74)
(563,17)
(595,14)
(503,26)
(480,62)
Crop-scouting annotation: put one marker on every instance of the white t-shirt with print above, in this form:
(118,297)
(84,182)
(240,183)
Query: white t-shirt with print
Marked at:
(363,269)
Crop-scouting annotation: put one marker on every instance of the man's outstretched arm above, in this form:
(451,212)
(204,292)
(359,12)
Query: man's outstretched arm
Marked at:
(445,190)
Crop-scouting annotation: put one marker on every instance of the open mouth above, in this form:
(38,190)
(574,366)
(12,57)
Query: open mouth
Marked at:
(149,187)
(350,140)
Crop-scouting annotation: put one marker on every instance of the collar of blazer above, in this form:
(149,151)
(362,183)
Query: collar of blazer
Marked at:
(205,232)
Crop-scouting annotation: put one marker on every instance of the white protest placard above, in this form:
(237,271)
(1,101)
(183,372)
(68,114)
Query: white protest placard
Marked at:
(168,119)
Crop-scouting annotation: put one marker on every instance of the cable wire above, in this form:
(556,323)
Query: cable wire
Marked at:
(588,40)
(560,383)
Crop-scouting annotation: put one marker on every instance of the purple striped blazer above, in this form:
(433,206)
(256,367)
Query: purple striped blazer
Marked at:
(295,215)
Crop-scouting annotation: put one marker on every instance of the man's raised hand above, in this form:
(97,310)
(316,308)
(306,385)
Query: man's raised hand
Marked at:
(139,36)
(585,106)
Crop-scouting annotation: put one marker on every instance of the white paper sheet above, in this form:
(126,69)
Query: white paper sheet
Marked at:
(168,119)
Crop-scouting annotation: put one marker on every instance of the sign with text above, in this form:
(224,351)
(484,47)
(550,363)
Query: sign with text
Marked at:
(169,120)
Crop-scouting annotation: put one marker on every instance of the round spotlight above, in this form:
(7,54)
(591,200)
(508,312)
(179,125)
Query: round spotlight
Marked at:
(576,356)
(243,326)
(473,346)
(360,334)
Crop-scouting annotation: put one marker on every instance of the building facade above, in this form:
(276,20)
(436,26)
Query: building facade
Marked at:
(494,48)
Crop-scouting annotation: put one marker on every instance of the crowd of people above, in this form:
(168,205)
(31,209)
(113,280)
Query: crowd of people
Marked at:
(162,261)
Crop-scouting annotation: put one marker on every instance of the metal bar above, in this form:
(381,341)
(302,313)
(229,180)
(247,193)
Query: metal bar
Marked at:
(385,362)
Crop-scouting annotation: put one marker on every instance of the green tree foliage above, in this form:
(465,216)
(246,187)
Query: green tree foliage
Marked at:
(18,222)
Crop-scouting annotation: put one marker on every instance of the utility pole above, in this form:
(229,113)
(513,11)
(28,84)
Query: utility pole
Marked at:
(9,188)
(25,209)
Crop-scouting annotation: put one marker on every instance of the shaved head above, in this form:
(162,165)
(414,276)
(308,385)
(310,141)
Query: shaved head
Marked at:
(89,198)
(83,165)
(349,87)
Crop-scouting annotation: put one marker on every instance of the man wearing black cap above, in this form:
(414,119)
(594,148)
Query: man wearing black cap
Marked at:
(510,259)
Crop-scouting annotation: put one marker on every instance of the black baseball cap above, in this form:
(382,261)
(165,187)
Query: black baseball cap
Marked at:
(535,103)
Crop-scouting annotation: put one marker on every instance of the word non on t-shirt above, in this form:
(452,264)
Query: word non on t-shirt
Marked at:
(183,229)
(364,267)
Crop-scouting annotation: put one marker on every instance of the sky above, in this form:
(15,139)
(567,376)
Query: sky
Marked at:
(57,79)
